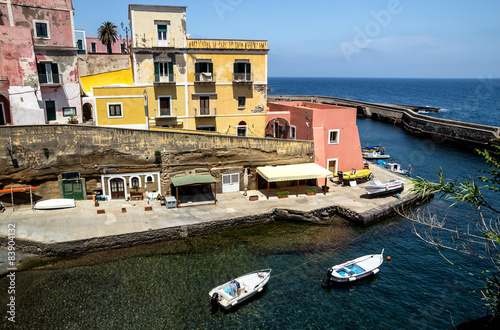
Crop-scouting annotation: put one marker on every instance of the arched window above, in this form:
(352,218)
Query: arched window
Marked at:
(242,129)
(150,179)
(135,182)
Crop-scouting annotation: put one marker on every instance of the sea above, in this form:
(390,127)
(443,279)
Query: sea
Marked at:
(165,285)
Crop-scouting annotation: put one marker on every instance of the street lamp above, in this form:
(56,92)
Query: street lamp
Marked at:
(145,93)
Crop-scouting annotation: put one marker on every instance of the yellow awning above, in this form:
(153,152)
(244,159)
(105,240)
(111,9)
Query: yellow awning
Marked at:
(293,172)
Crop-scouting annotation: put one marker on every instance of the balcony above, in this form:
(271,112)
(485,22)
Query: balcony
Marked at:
(242,78)
(50,79)
(205,112)
(204,78)
(164,79)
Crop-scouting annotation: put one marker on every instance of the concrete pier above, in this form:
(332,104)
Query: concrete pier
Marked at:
(81,229)
(440,130)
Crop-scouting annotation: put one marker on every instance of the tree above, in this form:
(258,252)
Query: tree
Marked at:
(482,237)
(108,34)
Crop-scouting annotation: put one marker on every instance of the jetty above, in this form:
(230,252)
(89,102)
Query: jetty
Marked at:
(408,117)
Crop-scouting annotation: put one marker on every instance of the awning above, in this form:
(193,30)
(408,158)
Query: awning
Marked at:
(192,179)
(293,172)
(43,58)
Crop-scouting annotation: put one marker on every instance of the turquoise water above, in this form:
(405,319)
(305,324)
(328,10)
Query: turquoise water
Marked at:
(166,285)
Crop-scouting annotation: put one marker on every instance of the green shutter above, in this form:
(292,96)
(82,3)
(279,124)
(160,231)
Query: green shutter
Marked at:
(157,72)
(211,68)
(249,67)
(197,67)
(236,67)
(55,73)
(170,72)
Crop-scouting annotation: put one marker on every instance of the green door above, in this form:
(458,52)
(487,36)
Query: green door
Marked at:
(50,108)
(73,189)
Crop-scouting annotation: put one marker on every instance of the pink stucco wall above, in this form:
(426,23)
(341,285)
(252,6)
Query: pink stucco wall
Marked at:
(17,60)
(322,119)
(101,48)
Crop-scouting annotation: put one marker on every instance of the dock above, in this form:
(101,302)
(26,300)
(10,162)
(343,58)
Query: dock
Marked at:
(119,223)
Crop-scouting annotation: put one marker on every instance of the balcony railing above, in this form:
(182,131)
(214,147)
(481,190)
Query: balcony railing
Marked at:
(166,114)
(50,79)
(204,77)
(242,77)
(165,79)
(205,112)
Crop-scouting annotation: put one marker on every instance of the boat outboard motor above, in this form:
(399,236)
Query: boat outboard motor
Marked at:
(215,299)
(328,278)
(341,175)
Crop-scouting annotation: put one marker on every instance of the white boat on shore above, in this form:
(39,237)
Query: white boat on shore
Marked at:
(355,269)
(50,204)
(379,188)
(239,289)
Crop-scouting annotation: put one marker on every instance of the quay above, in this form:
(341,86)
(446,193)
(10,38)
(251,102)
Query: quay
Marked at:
(81,229)
(438,129)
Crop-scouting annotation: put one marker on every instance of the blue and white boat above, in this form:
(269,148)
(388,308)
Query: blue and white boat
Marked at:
(355,269)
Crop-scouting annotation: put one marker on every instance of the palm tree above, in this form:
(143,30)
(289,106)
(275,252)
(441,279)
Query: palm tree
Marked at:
(108,34)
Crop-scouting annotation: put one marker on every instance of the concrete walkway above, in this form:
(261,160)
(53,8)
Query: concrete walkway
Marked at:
(83,222)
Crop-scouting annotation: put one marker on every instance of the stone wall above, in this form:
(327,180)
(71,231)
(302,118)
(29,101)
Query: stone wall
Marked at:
(39,153)
(443,130)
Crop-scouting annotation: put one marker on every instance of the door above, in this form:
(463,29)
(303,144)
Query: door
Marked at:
(230,183)
(332,166)
(50,109)
(3,121)
(117,188)
(73,189)
(204,105)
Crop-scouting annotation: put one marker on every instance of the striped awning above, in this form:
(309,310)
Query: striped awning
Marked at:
(293,172)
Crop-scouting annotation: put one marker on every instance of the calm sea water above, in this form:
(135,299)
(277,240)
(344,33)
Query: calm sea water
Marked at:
(166,285)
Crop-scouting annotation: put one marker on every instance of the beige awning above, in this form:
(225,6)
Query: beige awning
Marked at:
(293,172)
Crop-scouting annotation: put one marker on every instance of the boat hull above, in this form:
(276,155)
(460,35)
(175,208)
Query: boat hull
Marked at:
(356,269)
(52,204)
(382,189)
(249,285)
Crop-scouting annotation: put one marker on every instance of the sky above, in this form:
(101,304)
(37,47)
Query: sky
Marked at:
(339,38)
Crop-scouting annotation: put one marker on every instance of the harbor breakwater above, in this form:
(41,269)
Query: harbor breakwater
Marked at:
(438,129)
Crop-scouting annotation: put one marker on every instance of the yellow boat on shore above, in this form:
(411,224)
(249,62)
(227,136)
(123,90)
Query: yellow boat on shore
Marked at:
(354,175)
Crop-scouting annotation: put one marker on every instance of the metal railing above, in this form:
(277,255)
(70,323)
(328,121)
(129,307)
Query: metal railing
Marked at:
(170,78)
(166,113)
(201,77)
(50,79)
(205,112)
(242,77)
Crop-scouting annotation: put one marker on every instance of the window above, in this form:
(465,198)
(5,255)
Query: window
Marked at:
(204,105)
(41,29)
(333,136)
(293,133)
(164,72)
(162,33)
(93,47)
(208,128)
(115,110)
(241,129)
(149,179)
(164,105)
(48,73)
(135,183)
(242,70)
(3,120)
(204,71)
(241,102)
(122,46)
(79,44)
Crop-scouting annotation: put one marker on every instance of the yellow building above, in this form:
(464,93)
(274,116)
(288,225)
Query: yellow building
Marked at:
(183,83)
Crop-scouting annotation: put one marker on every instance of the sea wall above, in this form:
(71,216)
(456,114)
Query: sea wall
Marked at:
(440,130)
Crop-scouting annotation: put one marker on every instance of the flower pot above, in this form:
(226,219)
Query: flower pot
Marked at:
(310,193)
(253,198)
(282,196)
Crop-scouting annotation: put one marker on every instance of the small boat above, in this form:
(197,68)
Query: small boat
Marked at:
(354,175)
(355,269)
(50,204)
(239,289)
(378,188)
(395,167)
(370,149)
(375,155)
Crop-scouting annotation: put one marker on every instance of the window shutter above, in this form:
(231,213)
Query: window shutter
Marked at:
(55,73)
(211,68)
(170,72)
(197,67)
(157,71)
(249,68)
(236,68)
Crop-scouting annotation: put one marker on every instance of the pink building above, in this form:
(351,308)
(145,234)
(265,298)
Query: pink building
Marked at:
(95,46)
(38,65)
(333,130)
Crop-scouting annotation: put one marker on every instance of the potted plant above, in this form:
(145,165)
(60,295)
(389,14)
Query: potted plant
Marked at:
(253,198)
(311,192)
(135,193)
(327,188)
(283,194)
(72,120)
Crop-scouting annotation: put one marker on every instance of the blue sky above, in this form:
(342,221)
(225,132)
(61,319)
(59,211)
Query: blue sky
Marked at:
(338,38)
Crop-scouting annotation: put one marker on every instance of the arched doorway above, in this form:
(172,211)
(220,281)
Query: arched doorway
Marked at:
(242,129)
(87,111)
(117,188)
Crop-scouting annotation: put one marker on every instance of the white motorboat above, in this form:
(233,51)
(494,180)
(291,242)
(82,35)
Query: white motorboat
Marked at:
(375,155)
(356,269)
(379,188)
(50,204)
(239,289)
(395,167)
